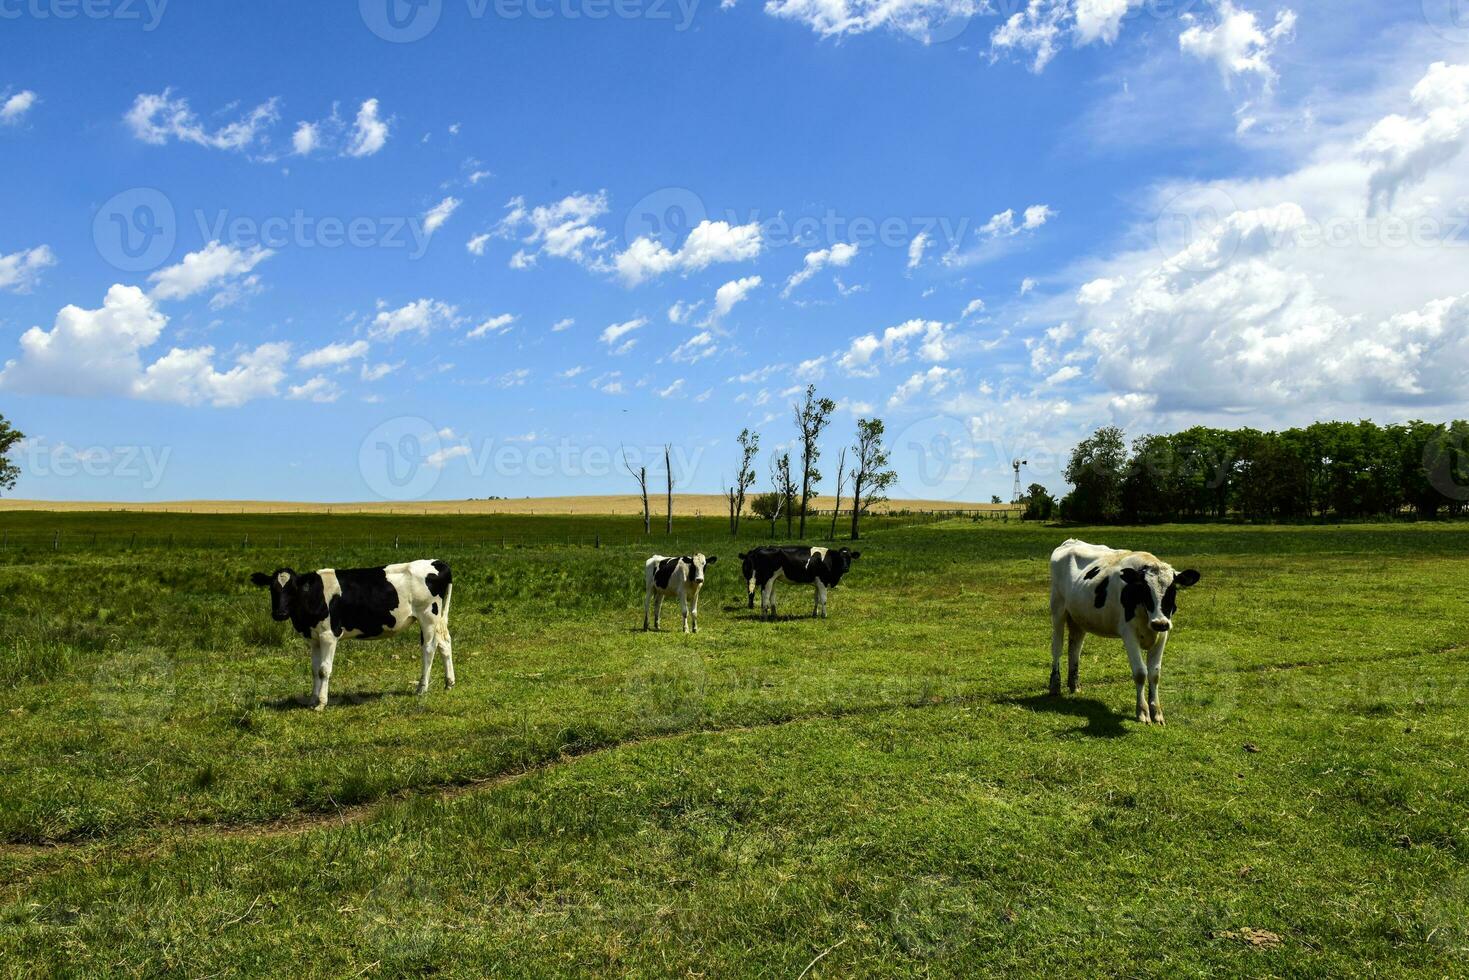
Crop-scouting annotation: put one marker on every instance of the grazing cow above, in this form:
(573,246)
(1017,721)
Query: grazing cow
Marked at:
(1129,595)
(748,566)
(819,567)
(326,605)
(674,577)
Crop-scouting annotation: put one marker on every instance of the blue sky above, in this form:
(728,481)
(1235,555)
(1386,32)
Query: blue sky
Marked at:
(293,251)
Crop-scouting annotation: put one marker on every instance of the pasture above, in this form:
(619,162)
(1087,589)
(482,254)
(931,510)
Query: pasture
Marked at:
(887,792)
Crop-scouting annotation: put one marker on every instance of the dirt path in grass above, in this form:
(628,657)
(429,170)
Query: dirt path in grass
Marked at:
(166,836)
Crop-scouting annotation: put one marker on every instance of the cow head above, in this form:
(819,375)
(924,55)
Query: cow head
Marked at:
(282,585)
(839,563)
(1150,592)
(696,565)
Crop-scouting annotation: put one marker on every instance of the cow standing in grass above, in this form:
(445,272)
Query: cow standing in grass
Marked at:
(680,578)
(1129,595)
(822,568)
(751,562)
(326,605)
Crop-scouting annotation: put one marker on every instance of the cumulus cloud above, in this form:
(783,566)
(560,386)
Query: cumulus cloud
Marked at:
(975,306)
(896,345)
(161,117)
(1235,42)
(732,293)
(565,229)
(838,256)
(1043,26)
(565,323)
(920,19)
(20,271)
(708,243)
(369,132)
(319,389)
(616,331)
(420,316)
(477,244)
(95,353)
(15,107)
(494,325)
(1403,149)
(305,139)
(434,217)
(933,381)
(698,347)
(212,265)
(916,248)
(333,355)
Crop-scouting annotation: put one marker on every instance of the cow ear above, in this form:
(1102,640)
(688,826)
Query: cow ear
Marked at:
(711,559)
(856,555)
(261,579)
(1186,579)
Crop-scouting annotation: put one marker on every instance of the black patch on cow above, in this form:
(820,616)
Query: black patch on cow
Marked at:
(439,580)
(1102,592)
(434,608)
(1091,573)
(308,603)
(367,601)
(1135,593)
(1170,601)
(664,574)
(765,563)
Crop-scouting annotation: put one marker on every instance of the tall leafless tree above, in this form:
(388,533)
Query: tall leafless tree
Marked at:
(641,475)
(668,468)
(870,478)
(785,487)
(812,415)
(745,479)
(841,482)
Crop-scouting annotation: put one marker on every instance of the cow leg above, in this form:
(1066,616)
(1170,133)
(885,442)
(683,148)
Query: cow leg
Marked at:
(430,643)
(1139,673)
(1155,669)
(315,672)
(328,645)
(694,612)
(658,611)
(767,602)
(446,649)
(683,602)
(1075,639)
(647,602)
(1058,628)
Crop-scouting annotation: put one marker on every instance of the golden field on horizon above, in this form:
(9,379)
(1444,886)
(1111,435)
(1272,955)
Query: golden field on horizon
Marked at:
(685,505)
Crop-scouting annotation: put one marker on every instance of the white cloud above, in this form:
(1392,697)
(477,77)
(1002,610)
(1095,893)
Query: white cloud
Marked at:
(1027,285)
(306,139)
(563,230)
(514,379)
(1098,291)
(1044,25)
(212,265)
(925,20)
(318,389)
(896,346)
(696,348)
(672,391)
(572,372)
(376,372)
(708,243)
(158,118)
(420,316)
(476,245)
(495,324)
(434,217)
(916,248)
(566,323)
(609,383)
(333,355)
(1403,150)
(732,293)
(369,133)
(20,271)
(16,106)
(439,457)
(975,306)
(681,312)
(933,381)
(1003,225)
(1235,42)
(839,255)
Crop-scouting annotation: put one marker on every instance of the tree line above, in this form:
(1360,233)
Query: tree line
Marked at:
(1335,470)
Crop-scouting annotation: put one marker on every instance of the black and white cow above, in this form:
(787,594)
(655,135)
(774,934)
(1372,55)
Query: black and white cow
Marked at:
(748,563)
(1127,595)
(680,578)
(822,568)
(326,605)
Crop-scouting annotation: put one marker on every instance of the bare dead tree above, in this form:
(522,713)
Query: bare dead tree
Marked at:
(785,487)
(745,479)
(641,475)
(668,468)
(870,478)
(812,415)
(780,478)
(841,482)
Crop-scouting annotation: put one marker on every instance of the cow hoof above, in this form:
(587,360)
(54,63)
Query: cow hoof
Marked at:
(1143,719)
(1158,717)
(1055,685)
(421,690)
(319,707)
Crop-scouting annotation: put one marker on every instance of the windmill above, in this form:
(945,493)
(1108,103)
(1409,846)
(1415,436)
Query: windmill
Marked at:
(1016,464)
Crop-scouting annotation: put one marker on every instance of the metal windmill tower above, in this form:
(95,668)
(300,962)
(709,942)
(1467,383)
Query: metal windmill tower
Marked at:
(1017,492)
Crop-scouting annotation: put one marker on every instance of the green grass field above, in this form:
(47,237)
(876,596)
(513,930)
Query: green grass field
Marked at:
(887,792)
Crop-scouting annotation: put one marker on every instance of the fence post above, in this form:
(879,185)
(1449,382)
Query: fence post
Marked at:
(395,542)
(247,540)
(56,542)
(133,541)
(599,540)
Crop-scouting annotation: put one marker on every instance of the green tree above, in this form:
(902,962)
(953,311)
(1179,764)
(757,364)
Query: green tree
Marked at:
(812,416)
(871,478)
(1039,504)
(1096,473)
(9,471)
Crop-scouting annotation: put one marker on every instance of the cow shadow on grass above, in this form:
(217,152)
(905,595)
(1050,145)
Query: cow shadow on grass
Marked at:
(300,702)
(1101,721)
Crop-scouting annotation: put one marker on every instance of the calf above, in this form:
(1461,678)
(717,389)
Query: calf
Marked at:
(819,567)
(680,577)
(749,560)
(1129,595)
(326,605)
